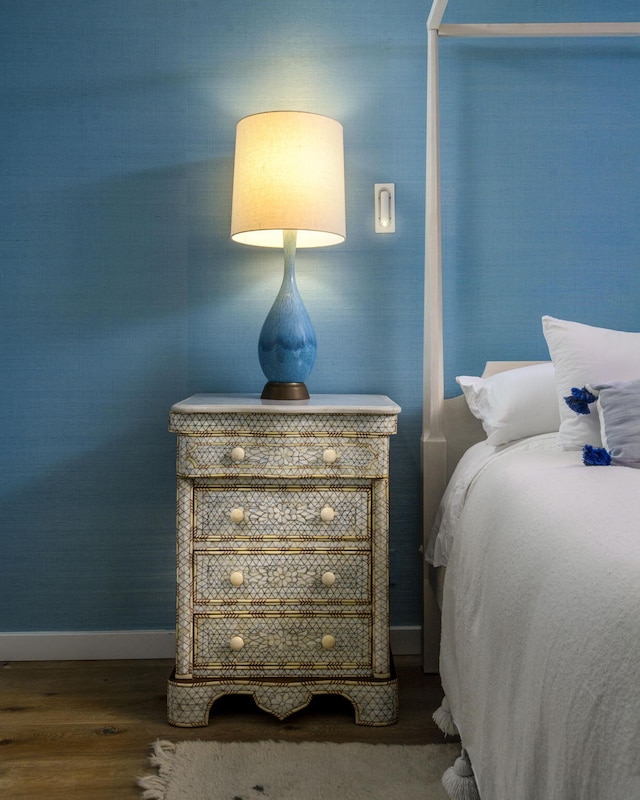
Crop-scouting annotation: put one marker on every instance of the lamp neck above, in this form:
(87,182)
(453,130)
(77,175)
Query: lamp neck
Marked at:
(289,239)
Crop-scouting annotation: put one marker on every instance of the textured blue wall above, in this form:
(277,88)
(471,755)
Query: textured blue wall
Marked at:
(541,182)
(121,292)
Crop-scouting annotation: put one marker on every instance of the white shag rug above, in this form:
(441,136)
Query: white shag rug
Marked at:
(289,771)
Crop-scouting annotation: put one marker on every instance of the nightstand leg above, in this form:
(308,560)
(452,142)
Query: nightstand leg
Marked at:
(189,701)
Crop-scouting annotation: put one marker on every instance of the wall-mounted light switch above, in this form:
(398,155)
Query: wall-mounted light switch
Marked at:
(385,207)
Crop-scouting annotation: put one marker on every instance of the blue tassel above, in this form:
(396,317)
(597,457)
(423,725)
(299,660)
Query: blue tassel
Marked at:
(595,456)
(579,400)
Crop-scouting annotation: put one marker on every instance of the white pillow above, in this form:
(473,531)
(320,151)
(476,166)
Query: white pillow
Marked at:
(582,355)
(514,404)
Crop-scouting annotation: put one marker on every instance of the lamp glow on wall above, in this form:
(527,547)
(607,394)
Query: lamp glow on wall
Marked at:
(288,191)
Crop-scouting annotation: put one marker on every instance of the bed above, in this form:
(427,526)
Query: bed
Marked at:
(540,657)
(532,539)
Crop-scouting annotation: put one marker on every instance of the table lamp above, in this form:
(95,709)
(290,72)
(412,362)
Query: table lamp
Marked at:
(288,191)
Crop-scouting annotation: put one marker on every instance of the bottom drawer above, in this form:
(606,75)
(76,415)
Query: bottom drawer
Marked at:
(282,644)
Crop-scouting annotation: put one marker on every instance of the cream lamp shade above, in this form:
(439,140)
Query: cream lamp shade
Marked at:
(288,175)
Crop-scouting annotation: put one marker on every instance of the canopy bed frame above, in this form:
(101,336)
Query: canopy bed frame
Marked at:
(448,428)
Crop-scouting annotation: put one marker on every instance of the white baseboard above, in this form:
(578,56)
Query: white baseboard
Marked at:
(86,645)
(406,640)
(105,645)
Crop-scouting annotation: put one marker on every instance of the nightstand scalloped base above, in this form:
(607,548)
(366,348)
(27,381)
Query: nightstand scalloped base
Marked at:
(189,701)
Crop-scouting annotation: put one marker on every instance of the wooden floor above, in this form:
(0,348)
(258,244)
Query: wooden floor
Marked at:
(84,729)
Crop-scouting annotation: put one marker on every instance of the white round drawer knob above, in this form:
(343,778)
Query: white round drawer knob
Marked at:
(328,578)
(327,514)
(236,578)
(236,643)
(329,456)
(237,515)
(237,454)
(328,641)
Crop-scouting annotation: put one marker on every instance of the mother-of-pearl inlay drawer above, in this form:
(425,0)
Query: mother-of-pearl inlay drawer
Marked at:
(278,644)
(282,456)
(291,577)
(281,512)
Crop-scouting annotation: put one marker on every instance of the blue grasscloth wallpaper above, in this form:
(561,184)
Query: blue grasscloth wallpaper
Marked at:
(541,186)
(122,293)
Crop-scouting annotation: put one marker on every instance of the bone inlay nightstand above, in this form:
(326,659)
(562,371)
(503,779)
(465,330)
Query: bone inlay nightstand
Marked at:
(282,554)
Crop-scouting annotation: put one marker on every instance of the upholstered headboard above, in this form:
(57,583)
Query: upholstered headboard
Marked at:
(458,430)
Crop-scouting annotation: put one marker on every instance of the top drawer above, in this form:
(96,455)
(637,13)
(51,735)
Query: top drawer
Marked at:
(283,456)
(216,414)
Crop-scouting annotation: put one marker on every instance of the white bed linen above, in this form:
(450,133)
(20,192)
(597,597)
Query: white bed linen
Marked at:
(470,466)
(540,655)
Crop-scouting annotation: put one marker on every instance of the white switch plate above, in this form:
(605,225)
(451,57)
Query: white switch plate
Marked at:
(381,207)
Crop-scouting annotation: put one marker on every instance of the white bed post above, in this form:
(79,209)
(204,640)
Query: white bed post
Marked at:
(434,456)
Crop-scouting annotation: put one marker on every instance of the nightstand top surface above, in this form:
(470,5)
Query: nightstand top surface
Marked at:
(317,404)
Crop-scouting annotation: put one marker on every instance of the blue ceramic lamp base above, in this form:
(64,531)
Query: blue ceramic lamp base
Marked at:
(287,344)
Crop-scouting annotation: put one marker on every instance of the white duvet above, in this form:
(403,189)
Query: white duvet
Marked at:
(540,654)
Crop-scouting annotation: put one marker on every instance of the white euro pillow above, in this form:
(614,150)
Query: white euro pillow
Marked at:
(582,355)
(514,404)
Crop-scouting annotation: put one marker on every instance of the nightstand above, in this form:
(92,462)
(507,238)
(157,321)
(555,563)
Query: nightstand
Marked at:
(282,554)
